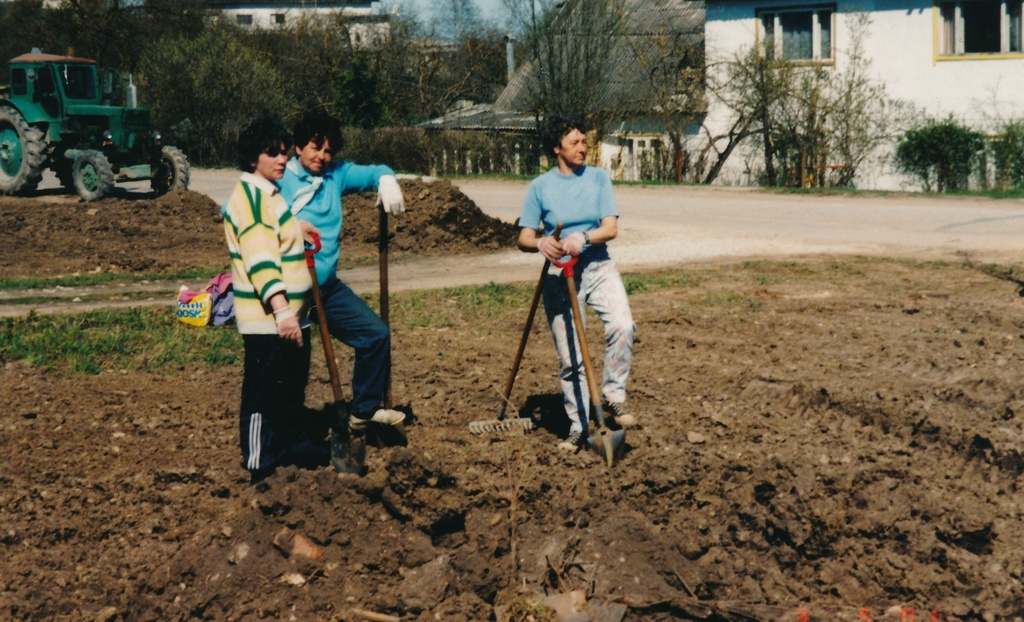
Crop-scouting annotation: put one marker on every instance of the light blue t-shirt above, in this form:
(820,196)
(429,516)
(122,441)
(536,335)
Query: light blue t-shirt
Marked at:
(579,201)
(316,199)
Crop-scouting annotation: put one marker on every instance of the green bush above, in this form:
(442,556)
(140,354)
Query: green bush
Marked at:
(1008,156)
(205,88)
(942,154)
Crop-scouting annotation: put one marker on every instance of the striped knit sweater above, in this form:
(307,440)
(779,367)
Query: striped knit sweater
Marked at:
(267,255)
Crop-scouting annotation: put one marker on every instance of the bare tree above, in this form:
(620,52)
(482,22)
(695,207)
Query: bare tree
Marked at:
(817,125)
(750,87)
(671,63)
(571,43)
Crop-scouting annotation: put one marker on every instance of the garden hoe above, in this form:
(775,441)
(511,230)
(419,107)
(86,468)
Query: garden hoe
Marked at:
(607,443)
(501,424)
(348,454)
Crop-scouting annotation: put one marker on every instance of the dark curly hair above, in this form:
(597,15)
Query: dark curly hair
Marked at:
(264,134)
(555,128)
(315,126)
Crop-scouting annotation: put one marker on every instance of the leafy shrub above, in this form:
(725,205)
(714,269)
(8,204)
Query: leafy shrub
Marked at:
(212,84)
(942,154)
(1008,156)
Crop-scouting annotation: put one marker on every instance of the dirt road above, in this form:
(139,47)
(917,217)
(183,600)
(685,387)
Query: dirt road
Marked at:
(669,225)
(666,225)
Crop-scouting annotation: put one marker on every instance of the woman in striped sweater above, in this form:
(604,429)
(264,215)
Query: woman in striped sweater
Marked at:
(272,298)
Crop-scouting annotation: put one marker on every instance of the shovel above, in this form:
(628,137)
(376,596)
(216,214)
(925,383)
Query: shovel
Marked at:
(524,423)
(385,302)
(396,434)
(347,453)
(606,443)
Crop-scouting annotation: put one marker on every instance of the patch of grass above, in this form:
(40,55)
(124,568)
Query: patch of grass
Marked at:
(652,282)
(101,278)
(728,298)
(139,339)
(453,306)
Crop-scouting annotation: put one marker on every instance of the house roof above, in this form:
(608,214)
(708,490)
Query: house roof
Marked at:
(289,4)
(482,117)
(648,24)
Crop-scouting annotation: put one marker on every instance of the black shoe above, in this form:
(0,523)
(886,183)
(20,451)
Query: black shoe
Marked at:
(259,475)
(309,454)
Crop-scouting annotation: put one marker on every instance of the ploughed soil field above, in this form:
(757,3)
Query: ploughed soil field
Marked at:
(819,438)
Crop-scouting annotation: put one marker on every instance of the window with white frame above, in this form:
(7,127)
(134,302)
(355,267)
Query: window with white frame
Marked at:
(979,27)
(278,18)
(799,33)
(243,19)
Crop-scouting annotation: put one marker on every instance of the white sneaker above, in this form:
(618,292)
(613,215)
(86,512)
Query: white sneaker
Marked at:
(572,441)
(383,416)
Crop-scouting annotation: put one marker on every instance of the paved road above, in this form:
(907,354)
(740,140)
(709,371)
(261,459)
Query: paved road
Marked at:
(671,225)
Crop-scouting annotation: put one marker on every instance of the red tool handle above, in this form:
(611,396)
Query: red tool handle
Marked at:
(310,251)
(566,265)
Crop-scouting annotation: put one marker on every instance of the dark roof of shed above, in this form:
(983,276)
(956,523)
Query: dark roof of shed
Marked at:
(39,57)
(482,117)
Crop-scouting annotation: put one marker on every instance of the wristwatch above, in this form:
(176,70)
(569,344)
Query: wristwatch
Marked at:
(586,237)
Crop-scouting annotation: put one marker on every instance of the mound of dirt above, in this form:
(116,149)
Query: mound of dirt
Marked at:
(50,235)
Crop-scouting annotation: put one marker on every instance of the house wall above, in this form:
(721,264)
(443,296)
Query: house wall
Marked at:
(901,40)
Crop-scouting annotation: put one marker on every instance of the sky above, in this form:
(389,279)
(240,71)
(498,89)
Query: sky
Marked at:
(490,10)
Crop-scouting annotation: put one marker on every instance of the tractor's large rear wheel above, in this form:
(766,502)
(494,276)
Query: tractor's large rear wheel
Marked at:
(172,172)
(22,151)
(93,175)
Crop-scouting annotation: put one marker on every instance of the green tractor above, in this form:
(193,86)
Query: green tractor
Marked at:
(55,114)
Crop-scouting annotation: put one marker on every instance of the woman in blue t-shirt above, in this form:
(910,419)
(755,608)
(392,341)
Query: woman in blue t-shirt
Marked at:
(580,198)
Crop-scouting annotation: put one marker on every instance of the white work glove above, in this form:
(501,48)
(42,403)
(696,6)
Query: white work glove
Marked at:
(288,325)
(389,194)
(573,245)
(550,248)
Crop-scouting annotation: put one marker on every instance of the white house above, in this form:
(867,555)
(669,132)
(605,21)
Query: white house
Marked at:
(948,57)
(364,25)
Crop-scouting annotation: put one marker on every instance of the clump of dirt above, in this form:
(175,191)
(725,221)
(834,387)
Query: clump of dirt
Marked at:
(183,231)
(439,220)
(55,236)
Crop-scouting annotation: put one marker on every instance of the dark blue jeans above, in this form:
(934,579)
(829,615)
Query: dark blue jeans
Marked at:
(352,322)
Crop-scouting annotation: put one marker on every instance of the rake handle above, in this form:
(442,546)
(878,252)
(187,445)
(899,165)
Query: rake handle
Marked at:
(526,332)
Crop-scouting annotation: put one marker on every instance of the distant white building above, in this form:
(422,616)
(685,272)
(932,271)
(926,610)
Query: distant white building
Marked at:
(365,26)
(946,57)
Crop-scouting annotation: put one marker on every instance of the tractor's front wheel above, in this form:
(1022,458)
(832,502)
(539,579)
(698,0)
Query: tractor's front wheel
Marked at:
(172,172)
(94,178)
(22,151)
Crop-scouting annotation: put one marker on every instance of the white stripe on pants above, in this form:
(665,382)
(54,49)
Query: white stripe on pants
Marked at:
(600,287)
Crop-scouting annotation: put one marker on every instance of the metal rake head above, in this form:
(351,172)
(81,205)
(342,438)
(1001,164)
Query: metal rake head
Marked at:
(501,425)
